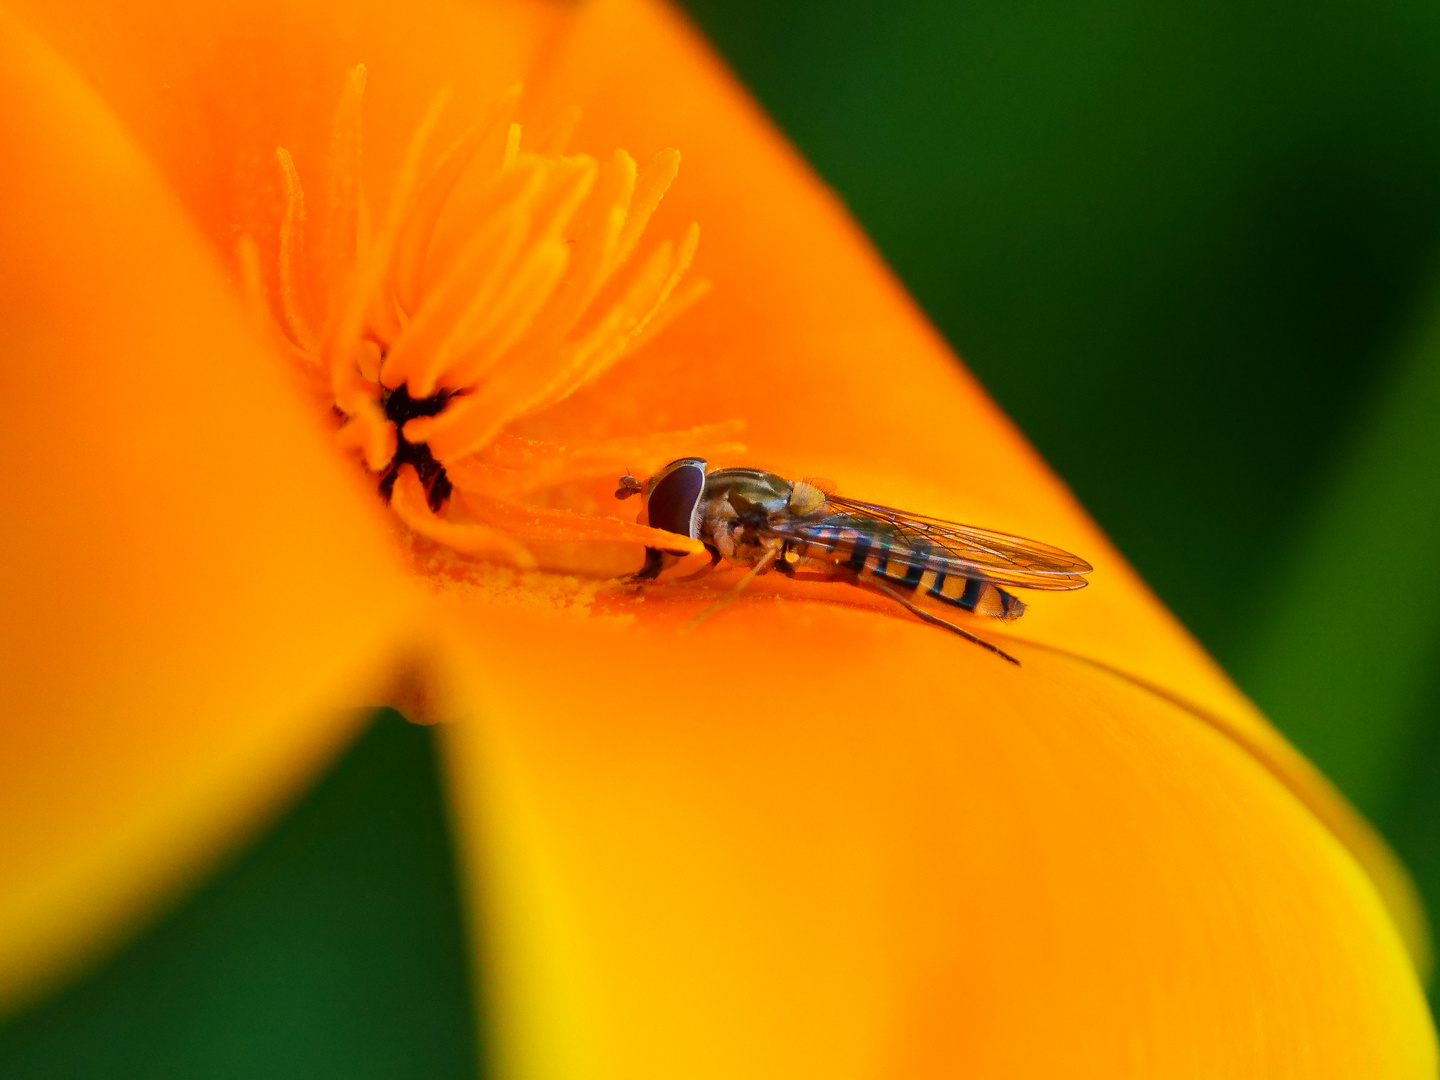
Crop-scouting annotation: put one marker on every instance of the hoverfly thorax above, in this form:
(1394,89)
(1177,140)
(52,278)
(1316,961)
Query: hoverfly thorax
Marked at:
(739,510)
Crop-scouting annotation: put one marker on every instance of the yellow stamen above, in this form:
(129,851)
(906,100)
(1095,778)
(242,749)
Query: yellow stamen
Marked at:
(479,301)
(593,260)
(459,300)
(342,191)
(294,321)
(681,300)
(542,523)
(369,432)
(409,503)
(536,382)
(363,295)
(650,188)
(306,373)
(414,242)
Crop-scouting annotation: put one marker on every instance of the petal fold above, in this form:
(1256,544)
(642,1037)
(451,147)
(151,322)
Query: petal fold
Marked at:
(195,583)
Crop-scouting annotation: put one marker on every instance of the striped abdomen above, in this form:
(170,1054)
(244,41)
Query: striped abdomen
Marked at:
(905,566)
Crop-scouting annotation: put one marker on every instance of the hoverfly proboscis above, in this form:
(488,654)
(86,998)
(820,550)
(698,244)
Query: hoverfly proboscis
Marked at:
(757,519)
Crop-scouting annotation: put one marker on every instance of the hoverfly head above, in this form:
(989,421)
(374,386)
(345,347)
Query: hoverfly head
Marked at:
(672,497)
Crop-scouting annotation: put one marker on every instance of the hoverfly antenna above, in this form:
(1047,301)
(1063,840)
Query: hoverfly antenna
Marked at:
(628,486)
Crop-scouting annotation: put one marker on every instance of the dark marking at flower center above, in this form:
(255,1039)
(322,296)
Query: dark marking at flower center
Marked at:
(400,407)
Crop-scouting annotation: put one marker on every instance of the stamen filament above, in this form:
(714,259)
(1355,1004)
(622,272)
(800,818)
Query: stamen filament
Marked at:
(596,237)
(414,243)
(681,300)
(456,300)
(300,330)
(373,270)
(541,523)
(411,506)
(631,315)
(521,388)
(367,430)
(654,181)
(513,313)
(338,247)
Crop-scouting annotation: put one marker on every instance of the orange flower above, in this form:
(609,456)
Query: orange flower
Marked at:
(812,838)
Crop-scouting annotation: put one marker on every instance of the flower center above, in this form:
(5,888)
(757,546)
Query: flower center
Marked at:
(491,288)
(399,408)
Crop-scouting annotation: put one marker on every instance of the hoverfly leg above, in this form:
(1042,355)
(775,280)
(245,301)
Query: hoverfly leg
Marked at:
(935,620)
(714,554)
(725,601)
(654,563)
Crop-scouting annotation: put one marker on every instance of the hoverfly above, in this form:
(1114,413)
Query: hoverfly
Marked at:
(763,521)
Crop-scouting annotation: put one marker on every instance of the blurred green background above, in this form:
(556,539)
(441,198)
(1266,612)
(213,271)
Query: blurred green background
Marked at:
(1191,249)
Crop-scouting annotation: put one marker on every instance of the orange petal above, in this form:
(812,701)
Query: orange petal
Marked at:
(804,841)
(209,90)
(808,336)
(193,581)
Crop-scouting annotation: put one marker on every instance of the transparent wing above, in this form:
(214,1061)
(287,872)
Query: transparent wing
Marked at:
(958,549)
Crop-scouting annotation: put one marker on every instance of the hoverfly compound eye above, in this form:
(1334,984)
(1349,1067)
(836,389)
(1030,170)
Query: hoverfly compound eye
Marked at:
(672,497)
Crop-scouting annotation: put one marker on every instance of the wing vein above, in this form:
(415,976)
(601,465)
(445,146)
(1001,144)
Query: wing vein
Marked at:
(956,549)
